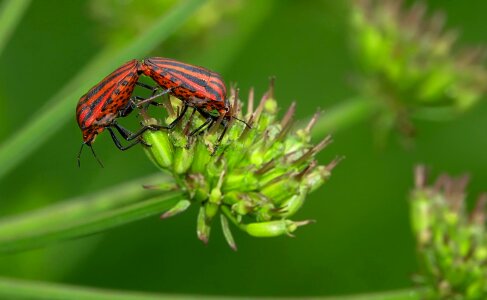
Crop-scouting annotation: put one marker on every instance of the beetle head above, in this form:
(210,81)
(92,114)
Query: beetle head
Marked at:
(89,136)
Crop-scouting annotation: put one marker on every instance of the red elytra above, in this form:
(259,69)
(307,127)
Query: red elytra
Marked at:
(197,87)
(108,100)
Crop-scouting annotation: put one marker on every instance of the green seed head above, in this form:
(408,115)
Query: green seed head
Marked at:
(452,243)
(258,175)
(412,65)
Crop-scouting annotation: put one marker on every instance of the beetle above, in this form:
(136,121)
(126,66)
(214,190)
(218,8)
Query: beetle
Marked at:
(108,100)
(197,87)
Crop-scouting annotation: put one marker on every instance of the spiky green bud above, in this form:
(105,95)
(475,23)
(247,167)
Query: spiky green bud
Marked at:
(261,173)
(452,243)
(411,65)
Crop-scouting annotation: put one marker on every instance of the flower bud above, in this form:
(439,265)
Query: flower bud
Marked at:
(292,205)
(281,190)
(227,233)
(411,65)
(240,181)
(200,159)
(260,171)
(160,150)
(180,207)
(452,244)
(203,228)
(274,228)
(183,158)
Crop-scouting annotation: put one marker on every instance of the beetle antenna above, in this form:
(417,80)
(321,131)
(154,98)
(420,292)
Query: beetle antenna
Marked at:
(92,151)
(79,155)
(96,157)
(246,124)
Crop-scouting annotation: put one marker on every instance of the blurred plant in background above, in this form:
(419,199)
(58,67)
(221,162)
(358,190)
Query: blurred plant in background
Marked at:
(258,176)
(123,20)
(452,243)
(412,66)
(3,111)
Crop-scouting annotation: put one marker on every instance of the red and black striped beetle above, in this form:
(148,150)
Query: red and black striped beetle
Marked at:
(110,99)
(197,87)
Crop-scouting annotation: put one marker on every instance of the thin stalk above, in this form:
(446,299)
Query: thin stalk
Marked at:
(60,108)
(11,12)
(15,289)
(229,215)
(85,215)
(344,115)
(409,294)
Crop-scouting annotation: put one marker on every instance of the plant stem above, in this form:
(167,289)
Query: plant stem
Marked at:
(11,13)
(410,294)
(85,215)
(15,289)
(343,115)
(60,108)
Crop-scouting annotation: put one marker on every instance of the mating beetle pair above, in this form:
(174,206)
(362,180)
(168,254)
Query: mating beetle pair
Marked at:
(112,98)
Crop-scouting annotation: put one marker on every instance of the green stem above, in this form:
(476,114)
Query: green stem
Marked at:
(410,294)
(61,107)
(85,215)
(344,115)
(15,289)
(11,13)
(229,215)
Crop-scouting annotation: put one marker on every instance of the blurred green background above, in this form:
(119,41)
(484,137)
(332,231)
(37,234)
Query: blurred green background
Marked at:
(362,241)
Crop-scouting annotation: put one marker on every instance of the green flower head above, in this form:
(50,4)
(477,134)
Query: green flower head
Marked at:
(412,64)
(257,176)
(452,243)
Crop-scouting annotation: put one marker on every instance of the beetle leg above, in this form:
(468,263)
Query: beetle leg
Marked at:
(128,135)
(117,142)
(154,96)
(140,101)
(209,121)
(223,134)
(129,108)
(176,121)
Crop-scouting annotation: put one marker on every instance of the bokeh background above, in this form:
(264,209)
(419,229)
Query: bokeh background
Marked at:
(362,240)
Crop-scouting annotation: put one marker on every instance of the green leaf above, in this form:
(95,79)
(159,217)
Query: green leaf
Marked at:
(11,13)
(86,215)
(15,289)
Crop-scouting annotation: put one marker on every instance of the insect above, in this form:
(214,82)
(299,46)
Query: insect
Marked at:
(110,99)
(197,87)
